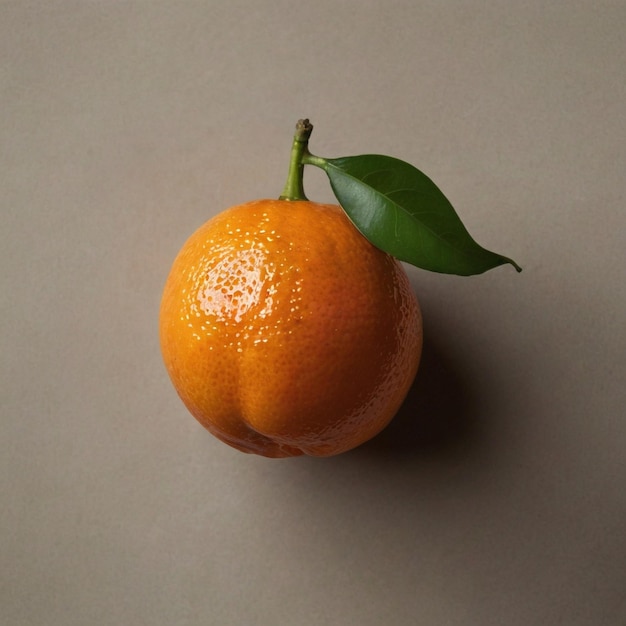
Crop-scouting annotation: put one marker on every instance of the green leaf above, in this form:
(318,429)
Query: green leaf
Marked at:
(400,210)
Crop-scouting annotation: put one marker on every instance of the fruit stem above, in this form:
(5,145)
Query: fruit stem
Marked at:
(294,187)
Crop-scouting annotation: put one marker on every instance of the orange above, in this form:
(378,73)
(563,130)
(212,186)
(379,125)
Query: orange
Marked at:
(285,332)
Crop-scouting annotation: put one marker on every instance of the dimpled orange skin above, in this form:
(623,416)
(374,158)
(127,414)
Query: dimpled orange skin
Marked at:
(285,332)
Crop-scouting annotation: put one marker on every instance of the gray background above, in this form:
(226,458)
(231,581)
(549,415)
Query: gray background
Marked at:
(496,496)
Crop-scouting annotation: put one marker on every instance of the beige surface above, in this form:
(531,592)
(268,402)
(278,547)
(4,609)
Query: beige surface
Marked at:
(124,126)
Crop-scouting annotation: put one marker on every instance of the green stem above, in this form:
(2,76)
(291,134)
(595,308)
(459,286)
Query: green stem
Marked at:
(311,159)
(294,187)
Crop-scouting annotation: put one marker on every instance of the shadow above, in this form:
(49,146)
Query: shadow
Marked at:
(439,415)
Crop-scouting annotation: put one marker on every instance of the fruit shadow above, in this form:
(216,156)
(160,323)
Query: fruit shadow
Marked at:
(439,416)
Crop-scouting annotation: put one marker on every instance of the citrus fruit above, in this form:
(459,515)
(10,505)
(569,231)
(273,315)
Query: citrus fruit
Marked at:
(286,332)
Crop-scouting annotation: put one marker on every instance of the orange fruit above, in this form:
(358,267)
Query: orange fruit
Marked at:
(285,332)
